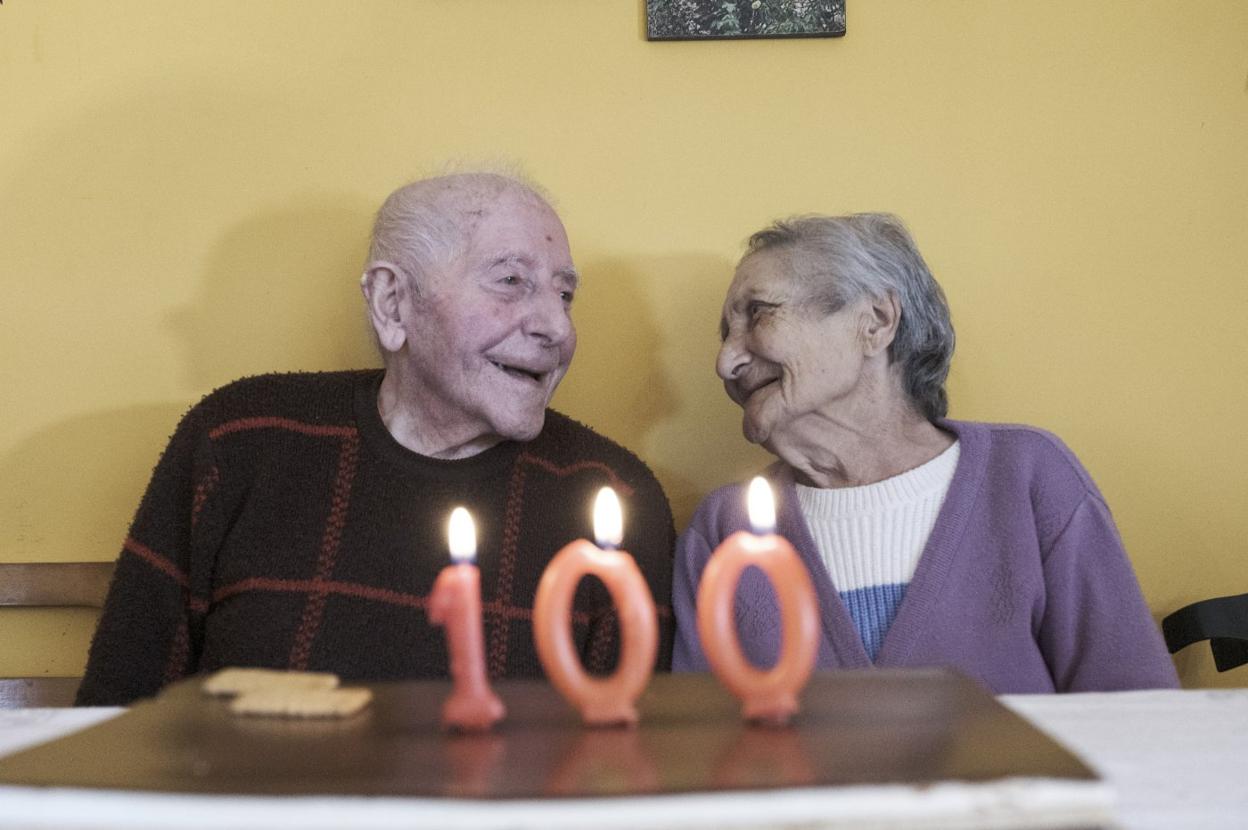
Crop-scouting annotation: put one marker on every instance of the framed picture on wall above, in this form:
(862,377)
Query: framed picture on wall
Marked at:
(725,19)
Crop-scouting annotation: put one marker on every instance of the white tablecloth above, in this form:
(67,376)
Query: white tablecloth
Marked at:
(1172,759)
(1176,759)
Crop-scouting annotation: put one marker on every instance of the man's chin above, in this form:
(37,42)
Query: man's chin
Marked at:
(525,429)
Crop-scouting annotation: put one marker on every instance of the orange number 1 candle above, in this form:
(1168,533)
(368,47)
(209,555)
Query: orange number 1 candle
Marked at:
(769,696)
(602,701)
(455,603)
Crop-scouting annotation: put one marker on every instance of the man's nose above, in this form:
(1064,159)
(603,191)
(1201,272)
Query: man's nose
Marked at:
(548,319)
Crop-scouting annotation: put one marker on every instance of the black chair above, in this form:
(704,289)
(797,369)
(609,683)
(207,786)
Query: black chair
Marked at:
(49,585)
(1222,621)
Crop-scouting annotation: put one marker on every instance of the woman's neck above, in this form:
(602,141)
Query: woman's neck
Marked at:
(860,446)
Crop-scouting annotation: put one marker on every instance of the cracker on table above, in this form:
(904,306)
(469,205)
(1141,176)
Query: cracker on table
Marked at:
(298,703)
(237,681)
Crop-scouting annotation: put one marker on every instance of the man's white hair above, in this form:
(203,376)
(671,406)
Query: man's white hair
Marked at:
(427,223)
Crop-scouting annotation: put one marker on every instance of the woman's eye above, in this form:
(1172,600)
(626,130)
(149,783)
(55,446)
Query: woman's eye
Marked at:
(566,296)
(510,279)
(755,310)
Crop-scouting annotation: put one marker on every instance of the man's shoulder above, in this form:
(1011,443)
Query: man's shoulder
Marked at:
(572,461)
(565,441)
(316,397)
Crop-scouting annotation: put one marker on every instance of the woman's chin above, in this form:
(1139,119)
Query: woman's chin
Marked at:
(755,432)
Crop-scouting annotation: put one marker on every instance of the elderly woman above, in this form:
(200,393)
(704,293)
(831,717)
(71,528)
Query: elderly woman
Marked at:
(981,547)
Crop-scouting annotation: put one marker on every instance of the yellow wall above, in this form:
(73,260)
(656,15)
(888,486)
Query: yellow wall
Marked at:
(185,191)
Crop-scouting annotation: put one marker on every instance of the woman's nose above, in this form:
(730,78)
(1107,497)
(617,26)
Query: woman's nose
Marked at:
(732,359)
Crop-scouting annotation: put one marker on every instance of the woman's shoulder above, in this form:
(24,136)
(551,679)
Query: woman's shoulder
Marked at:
(715,517)
(1024,454)
(724,510)
(721,502)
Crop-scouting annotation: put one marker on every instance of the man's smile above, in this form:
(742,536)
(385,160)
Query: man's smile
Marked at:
(520,372)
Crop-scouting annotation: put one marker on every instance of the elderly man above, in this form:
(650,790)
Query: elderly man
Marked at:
(298,521)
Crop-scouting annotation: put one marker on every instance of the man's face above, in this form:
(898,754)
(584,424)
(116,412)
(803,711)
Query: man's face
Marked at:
(491,334)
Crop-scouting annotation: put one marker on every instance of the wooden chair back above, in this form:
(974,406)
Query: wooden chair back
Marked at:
(49,585)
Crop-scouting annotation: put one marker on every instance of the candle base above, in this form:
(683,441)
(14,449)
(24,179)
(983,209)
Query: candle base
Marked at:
(610,713)
(772,710)
(472,713)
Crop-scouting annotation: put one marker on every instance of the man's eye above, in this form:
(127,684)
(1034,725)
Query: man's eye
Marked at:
(510,279)
(566,296)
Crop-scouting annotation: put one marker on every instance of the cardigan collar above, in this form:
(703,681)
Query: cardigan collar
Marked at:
(841,636)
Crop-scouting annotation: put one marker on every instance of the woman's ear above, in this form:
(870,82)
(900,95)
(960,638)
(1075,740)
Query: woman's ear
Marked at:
(883,315)
(385,292)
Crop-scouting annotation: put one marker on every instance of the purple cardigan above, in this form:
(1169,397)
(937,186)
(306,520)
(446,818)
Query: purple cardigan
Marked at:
(1023,584)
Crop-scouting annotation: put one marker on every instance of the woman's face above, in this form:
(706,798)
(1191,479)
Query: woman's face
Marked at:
(784,358)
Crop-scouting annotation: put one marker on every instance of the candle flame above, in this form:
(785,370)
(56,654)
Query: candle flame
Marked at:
(608,519)
(462,536)
(762,507)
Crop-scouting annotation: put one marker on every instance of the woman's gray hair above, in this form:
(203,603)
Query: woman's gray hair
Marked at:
(872,255)
(427,223)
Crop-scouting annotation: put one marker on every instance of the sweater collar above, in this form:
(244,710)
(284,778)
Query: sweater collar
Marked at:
(377,440)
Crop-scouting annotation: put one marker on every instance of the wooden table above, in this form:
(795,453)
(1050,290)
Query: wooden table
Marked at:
(869,749)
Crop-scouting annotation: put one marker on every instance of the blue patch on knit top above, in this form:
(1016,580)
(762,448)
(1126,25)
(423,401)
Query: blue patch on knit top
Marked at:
(873,610)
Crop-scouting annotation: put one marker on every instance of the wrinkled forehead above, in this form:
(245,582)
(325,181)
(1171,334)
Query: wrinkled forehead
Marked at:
(472,202)
(517,228)
(770,272)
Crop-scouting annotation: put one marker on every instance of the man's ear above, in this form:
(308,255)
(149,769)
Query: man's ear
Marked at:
(385,295)
(883,315)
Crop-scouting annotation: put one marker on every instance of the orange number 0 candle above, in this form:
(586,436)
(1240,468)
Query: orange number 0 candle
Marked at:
(610,700)
(455,603)
(769,696)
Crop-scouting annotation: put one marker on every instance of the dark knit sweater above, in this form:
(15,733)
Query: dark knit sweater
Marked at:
(285,527)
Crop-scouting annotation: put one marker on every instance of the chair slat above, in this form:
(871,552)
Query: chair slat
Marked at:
(54,584)
(37,692)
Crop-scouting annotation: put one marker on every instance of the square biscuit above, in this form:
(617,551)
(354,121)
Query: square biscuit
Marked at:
(296,703)
(238,681)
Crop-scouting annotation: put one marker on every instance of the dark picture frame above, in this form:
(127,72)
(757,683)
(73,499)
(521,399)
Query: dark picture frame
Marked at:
(738,19)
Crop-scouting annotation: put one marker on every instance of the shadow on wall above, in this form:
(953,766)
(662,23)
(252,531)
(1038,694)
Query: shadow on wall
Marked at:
(124,207)
(71,489)
(118,216)
(618,383)
(280,293)
(645,372)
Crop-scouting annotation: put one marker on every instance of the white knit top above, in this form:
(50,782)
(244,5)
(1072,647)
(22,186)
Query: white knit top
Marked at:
(871,538)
